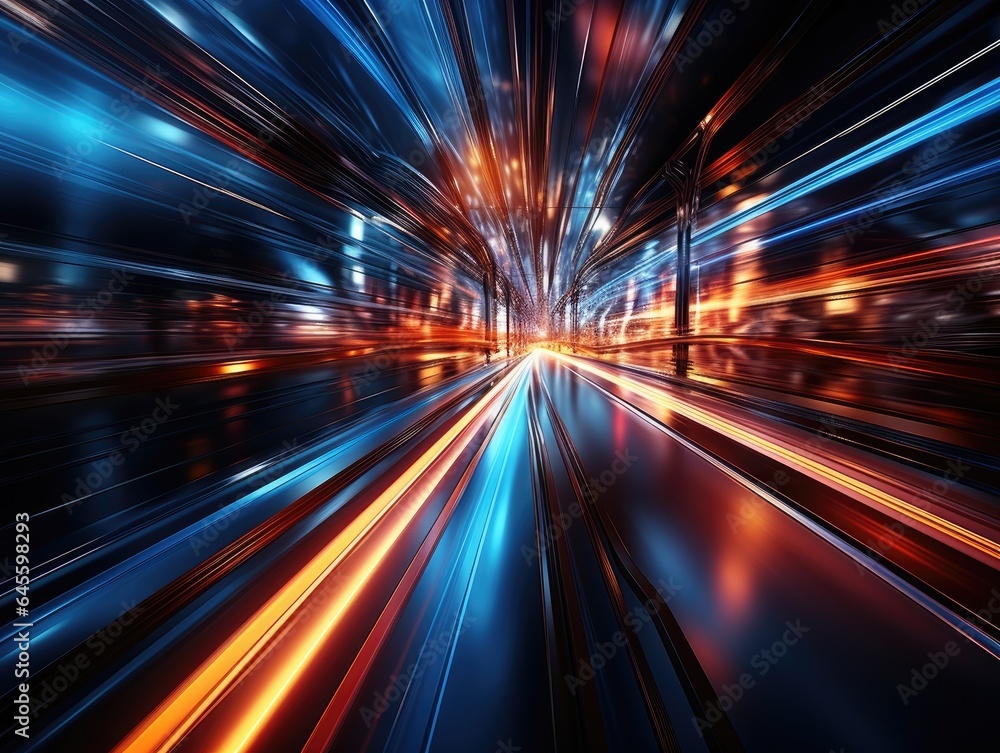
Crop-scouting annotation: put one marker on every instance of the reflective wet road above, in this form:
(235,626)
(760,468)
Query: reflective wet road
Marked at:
(547,553)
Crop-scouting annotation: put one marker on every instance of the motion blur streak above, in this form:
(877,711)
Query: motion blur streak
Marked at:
(788,456)
(493,375)
(185,705)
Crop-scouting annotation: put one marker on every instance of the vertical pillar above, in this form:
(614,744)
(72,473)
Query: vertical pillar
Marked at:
(682,299)
(487,312)
(494,342)
(685,179)
(682,296)
(506,290)
(574,318)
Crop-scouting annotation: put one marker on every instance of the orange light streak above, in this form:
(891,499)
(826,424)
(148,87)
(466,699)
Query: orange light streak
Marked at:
(177,715)
(859,489)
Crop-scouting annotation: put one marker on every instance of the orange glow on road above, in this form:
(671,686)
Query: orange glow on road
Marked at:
(188,704)
(986,549)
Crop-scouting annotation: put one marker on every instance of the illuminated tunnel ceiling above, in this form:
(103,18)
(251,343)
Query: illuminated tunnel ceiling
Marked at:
(538,138)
